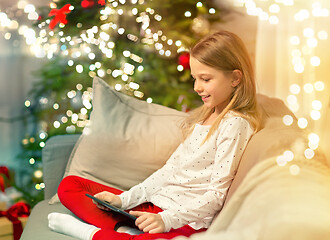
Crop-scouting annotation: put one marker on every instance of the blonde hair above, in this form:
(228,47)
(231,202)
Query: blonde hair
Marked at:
(226,52)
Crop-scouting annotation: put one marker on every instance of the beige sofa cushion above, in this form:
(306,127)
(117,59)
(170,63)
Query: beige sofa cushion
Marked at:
(261,146)
(127,139)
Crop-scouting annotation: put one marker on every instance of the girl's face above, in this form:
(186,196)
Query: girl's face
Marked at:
(214,86)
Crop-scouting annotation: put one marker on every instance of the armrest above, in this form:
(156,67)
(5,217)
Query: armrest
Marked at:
(55,156)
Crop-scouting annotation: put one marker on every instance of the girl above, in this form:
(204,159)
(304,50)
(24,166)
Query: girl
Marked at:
(185,195)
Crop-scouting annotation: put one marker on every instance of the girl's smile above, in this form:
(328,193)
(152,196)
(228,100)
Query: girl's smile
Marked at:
(204,98)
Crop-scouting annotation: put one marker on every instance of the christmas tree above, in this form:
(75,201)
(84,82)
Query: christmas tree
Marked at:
(139,47)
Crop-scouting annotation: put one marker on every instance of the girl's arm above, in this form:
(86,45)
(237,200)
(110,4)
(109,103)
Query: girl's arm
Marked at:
(231,142)
(141,193)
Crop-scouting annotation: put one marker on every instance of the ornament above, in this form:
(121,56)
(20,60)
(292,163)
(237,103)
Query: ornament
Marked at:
(101,2)
(200,25)
(4,178)
(60,16)
(87,3)
(184,60)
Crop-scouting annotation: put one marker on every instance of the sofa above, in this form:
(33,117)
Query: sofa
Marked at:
(277,193)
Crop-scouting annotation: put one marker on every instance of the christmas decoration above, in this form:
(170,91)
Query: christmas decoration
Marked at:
(59,16)
(184,60)
(15,214)
(87,3)
(4,178)
(11,213)
(101,2)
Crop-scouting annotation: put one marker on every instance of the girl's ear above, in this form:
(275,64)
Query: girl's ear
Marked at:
(236,77)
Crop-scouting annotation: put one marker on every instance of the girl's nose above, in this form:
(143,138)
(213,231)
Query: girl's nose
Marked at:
(197,87)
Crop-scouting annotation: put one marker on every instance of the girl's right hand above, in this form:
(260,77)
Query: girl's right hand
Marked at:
(109,197)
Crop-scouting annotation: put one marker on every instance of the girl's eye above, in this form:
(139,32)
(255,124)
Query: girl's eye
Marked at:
(206,80)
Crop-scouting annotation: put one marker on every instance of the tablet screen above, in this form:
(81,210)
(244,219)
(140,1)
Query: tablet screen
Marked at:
(113,208)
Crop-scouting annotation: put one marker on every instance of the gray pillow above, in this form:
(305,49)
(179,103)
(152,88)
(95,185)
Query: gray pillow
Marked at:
(126,141)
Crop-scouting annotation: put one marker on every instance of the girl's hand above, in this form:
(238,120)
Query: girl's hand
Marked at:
(109,197)
(149,222)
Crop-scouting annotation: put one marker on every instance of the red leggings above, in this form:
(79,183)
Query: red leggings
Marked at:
(72,192)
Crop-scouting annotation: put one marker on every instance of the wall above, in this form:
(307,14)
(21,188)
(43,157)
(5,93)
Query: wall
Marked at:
(16,66)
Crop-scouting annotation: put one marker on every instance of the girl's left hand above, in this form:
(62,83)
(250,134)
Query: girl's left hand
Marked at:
(149,222)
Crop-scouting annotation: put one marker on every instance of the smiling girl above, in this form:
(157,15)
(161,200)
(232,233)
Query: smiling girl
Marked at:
(184,196)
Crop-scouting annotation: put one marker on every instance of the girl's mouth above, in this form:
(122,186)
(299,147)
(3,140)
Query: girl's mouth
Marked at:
(204,98)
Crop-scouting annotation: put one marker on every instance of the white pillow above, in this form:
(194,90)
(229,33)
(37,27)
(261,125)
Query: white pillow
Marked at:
(126,141)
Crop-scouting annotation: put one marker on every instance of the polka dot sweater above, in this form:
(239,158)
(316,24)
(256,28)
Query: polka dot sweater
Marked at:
(192,185)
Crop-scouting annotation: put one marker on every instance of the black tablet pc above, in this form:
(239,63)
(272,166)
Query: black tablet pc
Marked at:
(113,208)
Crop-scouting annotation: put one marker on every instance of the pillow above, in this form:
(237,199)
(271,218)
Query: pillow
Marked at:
(270,141)
(126,140)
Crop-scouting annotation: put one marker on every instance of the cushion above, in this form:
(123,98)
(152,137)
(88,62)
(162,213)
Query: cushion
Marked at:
(126,140)
(37,225)
(274,135)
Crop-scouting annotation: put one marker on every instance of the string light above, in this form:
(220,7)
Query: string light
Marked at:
(319,86)
(309,153)
(302,123)
(308,88)
(43,135)
(32,161)
(187,14)
(295,89)
(64,119)
(281,161)
(27,103)
(38,174)
(57,124)
(294,169)
(199,4)
(288,120)
(56,106)
(288,155)
(70,129)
